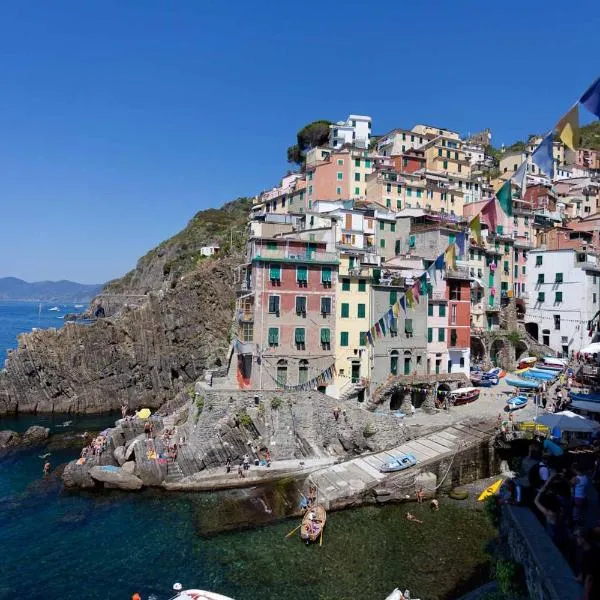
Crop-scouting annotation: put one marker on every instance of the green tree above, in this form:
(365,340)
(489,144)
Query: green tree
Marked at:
(310,136)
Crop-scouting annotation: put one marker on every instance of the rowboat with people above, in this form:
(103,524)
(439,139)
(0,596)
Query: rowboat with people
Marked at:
(313,524)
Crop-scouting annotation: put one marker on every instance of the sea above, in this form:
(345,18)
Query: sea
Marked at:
(59,544)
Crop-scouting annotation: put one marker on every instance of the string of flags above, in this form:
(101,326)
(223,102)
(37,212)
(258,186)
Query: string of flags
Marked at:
(323,378)
(567,129)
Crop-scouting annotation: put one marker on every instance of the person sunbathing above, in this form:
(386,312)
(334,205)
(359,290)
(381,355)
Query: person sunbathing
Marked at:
(412,517)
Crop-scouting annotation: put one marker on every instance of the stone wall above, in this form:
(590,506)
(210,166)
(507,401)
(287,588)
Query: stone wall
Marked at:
(547,573)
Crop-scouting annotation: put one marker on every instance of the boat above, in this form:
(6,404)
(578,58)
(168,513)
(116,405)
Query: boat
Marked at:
(484,382)
(196,594)
(557,362)
(54,308)
(496,372)
(586,397)
(531,374)
(463,395)
(517,402)
(398,463)
(313,523)
(491,490)
(528,361)
(522,383)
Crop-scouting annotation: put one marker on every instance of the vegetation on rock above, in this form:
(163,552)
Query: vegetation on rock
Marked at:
(310,136)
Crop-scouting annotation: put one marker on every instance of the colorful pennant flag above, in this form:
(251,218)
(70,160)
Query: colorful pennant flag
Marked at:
(396,308)
(450,257)
(402,303)
(382,326)
(568,127)
(369,338)
(416,290)
(504,195)
(424,288)
(409,297)
(488,214)
(542,156)
(520,177)
(460,242)
(591,98)
(439,262)
(475,227)
(378,329)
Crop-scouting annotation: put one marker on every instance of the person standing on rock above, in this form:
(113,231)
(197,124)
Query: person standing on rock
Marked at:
(336,413)
(47,467)
(228,465)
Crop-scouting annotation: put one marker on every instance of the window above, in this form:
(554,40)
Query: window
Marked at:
(430,310)
(301,305)
(381,226)
(558,297)
(453,337)
(362,341)
(340,176)
(557,322)
(362,285)
(340,162)
(540,278)
(524,270)
(345,310)
(303,371)
(558,278)
(442,312)
(388,203)
(367,163)
(338,191)
(273,337)
(357,191)
(398,204)
(346,285)
(541,296)
(393,297)
(281,373)
(356,176)
(302,274)
(441,334)
(430,334)
(275,273)
(388,188)
(357,162)
(325,306)
(299,337)
(394,362)
(393,227)
(247,332)
(382,243)
(408,328)
(439,151)
(361,312)
(343,338)
(325,338)
(274,305)
(453,314)
(445,165)
(538,260)
(271,245)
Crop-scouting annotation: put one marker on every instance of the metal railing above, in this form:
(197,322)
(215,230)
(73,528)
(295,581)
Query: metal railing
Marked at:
(296,255)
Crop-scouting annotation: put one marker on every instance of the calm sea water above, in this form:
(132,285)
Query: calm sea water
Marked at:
(64,545)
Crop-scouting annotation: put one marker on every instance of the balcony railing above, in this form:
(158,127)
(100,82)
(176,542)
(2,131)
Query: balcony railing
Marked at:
(458,273)
(245,316)
(294,255)
(244,286)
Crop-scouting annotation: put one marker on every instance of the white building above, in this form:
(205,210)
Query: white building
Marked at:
(355,130)
(209,250)
(564,294)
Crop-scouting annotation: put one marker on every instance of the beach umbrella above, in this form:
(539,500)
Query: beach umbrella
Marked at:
(144,413)
(568,421)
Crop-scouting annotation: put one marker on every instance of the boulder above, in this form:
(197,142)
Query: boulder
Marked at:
(35,435)
(119,454)
(116,477)
(75,475)
(427,481)
(129,466)
(9,439)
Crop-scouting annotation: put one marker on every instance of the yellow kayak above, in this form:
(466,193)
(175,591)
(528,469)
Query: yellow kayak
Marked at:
(490,491)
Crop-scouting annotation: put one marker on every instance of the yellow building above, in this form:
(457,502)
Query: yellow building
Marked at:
(446,155)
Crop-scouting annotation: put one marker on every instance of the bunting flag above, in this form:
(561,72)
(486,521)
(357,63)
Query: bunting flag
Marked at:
(402,303)
(424,288)
(488,213)
(568,127)
(431,270)
(378,329)
(439,262)
(450,257)
(369,338)
(386,318)
(520,177)
(382,326)
(542,156)
(416,290)
(390,315)
(591,98)
(504,195)
(373,332)
(409,297)
(475,227)
(396,308)
(460,242)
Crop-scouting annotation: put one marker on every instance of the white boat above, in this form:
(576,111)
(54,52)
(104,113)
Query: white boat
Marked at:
(54,308)
(559,362)
(78,305)
(196,594)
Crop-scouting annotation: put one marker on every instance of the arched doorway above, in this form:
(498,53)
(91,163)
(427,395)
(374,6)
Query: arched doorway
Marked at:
(396,400)
(394,362)
(521,350)
(281,373)
(496,351)
(303,371)
(532,329)
(407,362)
(477,350)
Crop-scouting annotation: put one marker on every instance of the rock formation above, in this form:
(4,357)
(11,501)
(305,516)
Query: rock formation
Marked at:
(34,436)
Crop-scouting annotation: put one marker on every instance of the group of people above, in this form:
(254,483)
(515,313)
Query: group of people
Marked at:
(263,459)
(95,448)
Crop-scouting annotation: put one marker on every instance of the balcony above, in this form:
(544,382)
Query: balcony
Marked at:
(291,255)
(245,316)
(244,286)
(458,273)
(495,308)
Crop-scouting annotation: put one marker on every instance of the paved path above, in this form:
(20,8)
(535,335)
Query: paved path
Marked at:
(344,480)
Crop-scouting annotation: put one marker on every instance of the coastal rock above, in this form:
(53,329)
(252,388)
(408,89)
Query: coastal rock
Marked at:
(116,478)
(75,475)
(119,454)
(9,439)
(129,467)
(35,435)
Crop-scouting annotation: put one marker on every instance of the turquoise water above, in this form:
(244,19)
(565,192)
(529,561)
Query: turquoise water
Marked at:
(64,545)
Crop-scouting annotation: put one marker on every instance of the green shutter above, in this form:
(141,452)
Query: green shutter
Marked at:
(558,297)
(345,285)
(275,273)
(408,328)
(538,260)
(504,286)
(325,306)
(362,285)
(325,336)
(302,273)
(393,297)
(430,334)
(326,275)
(381,225)
(343,338)
(541,296)
(506,266)
(441,334)
(393,227)
(558,278)
(300,305)
(442,310)
(361,311)
(273,336)
(363,338)
(382,243)
(299,335)
(430,310)
(345,310)
(540,278)
(376,275)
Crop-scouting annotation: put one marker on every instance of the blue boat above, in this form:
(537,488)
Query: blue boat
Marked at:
(533,375)
(545,372)
(483,383)
(517,402)
(591,397)
(521,383)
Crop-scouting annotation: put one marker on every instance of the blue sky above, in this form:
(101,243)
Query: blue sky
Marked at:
(120,120)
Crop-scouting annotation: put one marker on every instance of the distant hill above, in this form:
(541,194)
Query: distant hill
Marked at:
(12,288)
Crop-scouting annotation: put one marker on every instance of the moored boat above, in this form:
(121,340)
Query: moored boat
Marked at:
(196,594)
(528,361)
(517,402)
(586,397)
(496,372)
(313,523)
(464,395)
(522,383)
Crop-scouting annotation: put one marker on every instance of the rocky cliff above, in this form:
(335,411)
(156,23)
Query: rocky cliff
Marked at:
(166,321)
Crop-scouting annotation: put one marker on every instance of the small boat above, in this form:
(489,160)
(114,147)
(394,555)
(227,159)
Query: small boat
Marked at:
(496,372)
(197,595)
(559,362)
(586,397)
(517,402)
(531,374)
(313,523)
(485,382)
(528,361)
(491,490)
(522,383)
(54,308)
(463,395)
(398,463)
(78,305)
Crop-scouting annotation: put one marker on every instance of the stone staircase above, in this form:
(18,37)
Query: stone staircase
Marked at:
(174,472)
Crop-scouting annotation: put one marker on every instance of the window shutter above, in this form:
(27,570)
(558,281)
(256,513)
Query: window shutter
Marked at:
(325,306)
(361,311)
(343,338)
(558,297)
(273,336)
(540,278)
(273,304)
(558,278)
(326,275)
(541,296)
(299,335)
(302,273)
(345,310)
(394,325)
(325,336)
(441,334)
(393,297)
(430,334)
(300,304)
(363,338)
(275,273)
(408,328)
(442,310)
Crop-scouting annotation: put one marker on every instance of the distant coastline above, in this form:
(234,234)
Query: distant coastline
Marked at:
(16,290)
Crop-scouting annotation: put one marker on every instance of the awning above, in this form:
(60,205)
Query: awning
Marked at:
(476,282)
(593,407)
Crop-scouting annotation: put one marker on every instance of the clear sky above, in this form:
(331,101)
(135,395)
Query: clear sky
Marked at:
(120,119)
